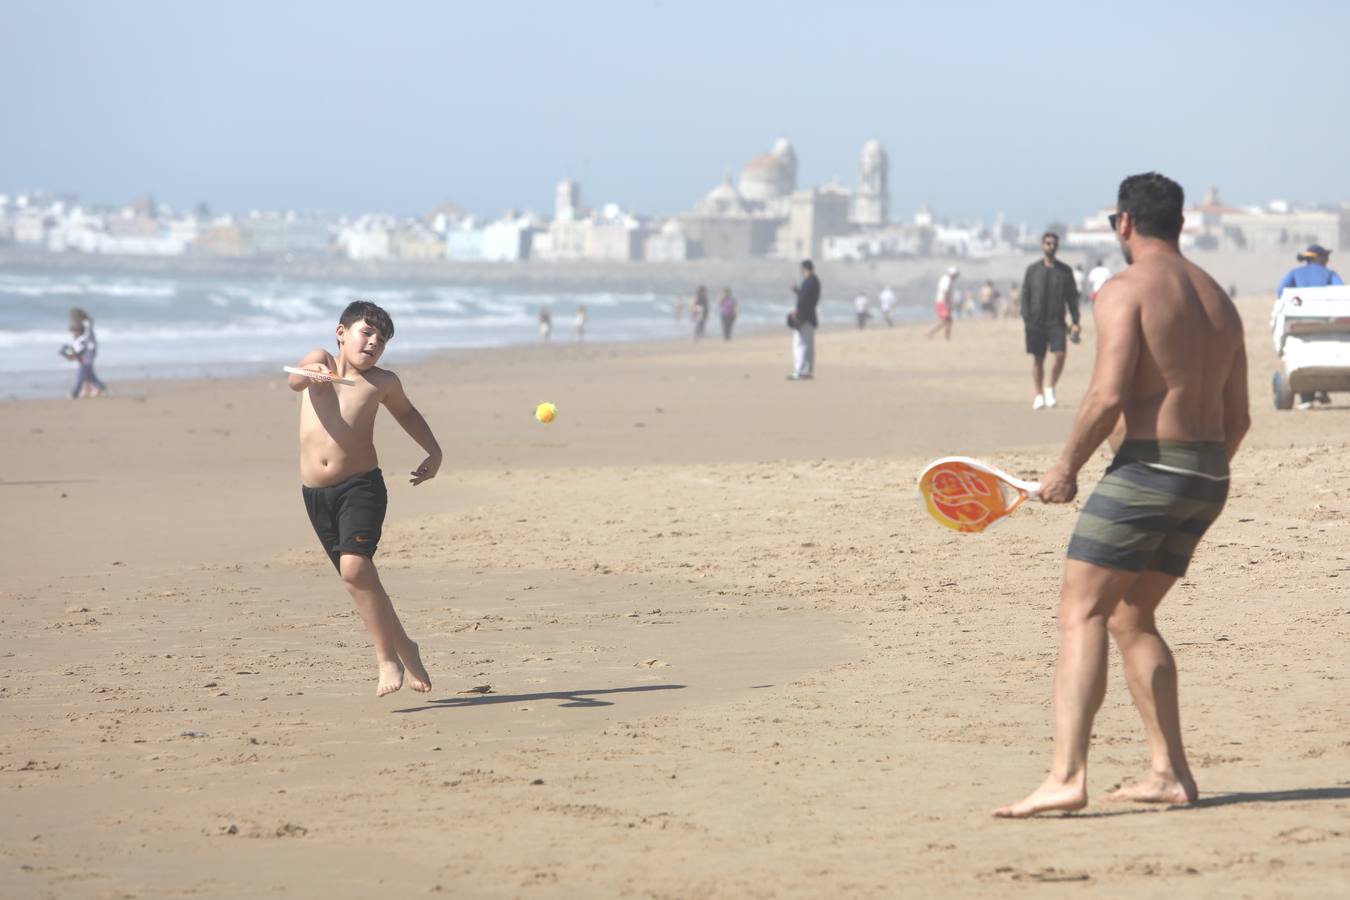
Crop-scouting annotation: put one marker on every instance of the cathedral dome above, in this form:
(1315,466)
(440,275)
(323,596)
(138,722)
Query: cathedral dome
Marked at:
(722,200)
(772,175)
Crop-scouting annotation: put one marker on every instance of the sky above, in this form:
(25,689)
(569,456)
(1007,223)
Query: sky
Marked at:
(1034,110)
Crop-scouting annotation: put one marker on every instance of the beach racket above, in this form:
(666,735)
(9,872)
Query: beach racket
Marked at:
(966,495)
(316,376)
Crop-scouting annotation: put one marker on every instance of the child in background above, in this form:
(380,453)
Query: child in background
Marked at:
(81,350)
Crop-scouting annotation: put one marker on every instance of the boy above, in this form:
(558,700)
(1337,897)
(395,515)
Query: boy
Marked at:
(342,484)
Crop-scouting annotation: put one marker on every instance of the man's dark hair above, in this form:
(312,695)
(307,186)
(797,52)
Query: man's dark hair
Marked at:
(1050,234)
(374,316)
(807,265)
(1154,202)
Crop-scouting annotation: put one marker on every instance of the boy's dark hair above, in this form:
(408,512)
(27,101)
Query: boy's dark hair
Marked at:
(1050,234)
(374,316)
(808,265)
(1154,202)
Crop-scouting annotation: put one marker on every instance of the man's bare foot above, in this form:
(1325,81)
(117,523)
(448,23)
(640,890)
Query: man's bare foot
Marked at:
(1155,788)
(1053,794)
(418,679)
(391,678)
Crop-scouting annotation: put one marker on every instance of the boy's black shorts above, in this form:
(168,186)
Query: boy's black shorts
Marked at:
(349,516)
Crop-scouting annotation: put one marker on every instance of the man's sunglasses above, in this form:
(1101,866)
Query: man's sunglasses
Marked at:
(1113,219)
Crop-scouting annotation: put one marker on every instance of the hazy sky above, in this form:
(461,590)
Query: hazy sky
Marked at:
(1037,109)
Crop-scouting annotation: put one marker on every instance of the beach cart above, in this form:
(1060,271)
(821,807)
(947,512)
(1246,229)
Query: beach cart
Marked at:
(1311,328)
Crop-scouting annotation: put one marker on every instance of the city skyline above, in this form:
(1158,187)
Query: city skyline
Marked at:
(350,111)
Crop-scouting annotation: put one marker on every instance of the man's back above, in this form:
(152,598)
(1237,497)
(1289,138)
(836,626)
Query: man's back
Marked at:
(1190,346)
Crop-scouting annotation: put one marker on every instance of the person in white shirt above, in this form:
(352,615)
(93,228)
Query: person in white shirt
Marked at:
(943,302)
(860,307)
(1096,278)
(887,298)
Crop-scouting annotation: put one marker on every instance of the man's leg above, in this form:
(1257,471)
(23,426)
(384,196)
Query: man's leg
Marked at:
(1087,598)
(393,648)
(808,333)
(1038,373)
(798,352)
(1152,676)
(1057,369)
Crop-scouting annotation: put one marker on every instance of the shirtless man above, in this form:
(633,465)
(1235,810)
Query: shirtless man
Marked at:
(1170,391)
(342,484)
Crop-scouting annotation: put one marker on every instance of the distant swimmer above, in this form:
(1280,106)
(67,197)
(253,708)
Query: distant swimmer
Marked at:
(1169,390)
(1048,290)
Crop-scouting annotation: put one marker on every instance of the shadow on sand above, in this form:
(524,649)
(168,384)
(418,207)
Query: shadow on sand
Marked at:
(579,699)
(1231,798)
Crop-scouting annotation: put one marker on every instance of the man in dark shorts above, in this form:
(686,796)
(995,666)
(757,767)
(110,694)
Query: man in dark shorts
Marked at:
(1169,389)
(1048,290)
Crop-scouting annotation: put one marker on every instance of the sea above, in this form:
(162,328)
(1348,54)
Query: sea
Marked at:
(199,326)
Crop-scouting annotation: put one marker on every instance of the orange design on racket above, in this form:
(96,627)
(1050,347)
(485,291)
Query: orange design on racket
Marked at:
(967,498)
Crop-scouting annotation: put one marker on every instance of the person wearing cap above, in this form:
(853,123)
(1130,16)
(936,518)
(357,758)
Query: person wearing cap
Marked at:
(1313,272)
(942,303)
(1048,289)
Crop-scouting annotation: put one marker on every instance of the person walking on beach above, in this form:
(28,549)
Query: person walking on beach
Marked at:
(727,308)
(1096,277)
(698,311)
(803,321)
(989,300)
(1169,389)
(341,481)
(1048,289)
(580,323)
(945,301)
(861,308)
(82,350)
(1313,272)
(887,300)
(545,324)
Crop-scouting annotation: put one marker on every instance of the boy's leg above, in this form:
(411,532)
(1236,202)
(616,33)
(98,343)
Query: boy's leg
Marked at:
(394,650)
(1151,673)
(1089,594)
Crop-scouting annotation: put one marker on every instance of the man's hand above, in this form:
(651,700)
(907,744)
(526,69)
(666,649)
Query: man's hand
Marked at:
(427,470)
(1057,485)
(1076,328)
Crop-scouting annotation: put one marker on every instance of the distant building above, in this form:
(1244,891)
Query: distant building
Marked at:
(670,244)
(508,240)
(872,206)
(567,201)
(816,213)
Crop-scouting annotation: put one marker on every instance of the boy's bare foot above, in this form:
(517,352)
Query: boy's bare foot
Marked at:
(1155,788)
(391,677)
(418,679)
(1053,794)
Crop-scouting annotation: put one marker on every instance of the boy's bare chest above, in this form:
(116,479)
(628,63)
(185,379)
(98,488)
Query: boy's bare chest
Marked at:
(341,411)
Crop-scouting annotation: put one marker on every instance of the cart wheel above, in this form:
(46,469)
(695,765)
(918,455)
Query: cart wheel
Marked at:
(1284,397)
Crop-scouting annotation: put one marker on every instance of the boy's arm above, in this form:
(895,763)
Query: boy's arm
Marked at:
(317,360)
(407,416)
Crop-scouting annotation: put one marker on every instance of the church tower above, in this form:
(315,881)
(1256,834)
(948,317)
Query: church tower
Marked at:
(873,203)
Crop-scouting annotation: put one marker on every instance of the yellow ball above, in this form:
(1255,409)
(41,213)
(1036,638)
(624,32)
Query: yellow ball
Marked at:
(545,412)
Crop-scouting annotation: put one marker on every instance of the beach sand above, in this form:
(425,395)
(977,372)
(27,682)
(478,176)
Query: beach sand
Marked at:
(728,654)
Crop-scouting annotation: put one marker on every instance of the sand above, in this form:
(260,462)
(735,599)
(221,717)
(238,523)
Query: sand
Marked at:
(728,655)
